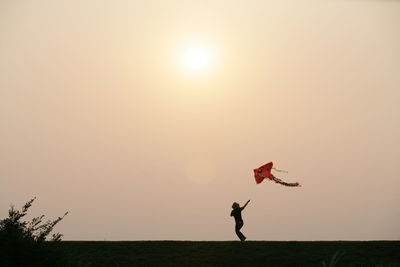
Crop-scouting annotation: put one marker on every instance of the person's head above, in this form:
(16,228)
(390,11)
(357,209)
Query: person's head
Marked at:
(235,205)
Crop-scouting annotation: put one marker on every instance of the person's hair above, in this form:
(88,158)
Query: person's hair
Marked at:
(235,205)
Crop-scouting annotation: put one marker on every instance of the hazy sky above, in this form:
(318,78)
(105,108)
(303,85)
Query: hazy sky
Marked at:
(100,117)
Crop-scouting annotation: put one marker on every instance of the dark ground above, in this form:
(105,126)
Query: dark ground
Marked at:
(251,253)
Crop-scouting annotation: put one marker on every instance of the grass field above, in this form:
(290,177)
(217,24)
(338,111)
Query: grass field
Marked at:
(252,253)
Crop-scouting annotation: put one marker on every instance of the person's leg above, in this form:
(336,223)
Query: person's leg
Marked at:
(242,235)
(238,226)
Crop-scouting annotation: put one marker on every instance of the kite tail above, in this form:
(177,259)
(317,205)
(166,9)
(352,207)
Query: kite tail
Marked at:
(280,170)
(279,181)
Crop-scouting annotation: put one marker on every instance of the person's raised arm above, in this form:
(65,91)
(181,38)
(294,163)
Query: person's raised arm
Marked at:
(246,204)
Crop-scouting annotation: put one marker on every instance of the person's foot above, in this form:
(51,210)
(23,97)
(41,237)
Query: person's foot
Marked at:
(243,239)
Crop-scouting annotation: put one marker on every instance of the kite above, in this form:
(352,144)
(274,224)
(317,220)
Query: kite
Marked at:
(264,172)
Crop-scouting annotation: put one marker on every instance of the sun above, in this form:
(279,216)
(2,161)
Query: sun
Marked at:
(196,56)
(197,59)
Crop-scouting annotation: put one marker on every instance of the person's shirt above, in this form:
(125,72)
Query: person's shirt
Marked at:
(237,213)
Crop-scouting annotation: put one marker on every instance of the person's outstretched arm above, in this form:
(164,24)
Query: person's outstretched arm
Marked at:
(246,204)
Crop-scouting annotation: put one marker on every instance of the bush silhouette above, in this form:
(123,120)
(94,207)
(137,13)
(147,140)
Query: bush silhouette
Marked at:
(27,243)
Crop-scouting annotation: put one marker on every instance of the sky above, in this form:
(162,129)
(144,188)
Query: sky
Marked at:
(106,112)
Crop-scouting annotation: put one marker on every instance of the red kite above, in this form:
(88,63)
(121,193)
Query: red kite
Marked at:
(264,172)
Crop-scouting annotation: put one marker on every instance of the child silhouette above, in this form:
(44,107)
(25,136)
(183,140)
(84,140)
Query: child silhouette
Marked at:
(237,214)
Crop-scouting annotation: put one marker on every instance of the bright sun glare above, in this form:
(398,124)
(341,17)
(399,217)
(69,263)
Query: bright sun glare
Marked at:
(197,59)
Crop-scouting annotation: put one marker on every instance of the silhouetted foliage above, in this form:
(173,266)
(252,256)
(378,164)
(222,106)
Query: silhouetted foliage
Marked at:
(27,243)
(334,260)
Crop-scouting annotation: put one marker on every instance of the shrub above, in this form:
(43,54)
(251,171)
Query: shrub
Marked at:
(27,243)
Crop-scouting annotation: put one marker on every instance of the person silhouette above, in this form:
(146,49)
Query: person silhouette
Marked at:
(237,214)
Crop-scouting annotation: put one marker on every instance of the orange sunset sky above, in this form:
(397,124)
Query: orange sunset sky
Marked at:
(145,119)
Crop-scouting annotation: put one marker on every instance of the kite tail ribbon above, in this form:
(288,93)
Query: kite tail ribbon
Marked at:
(278,170)
(279,181)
